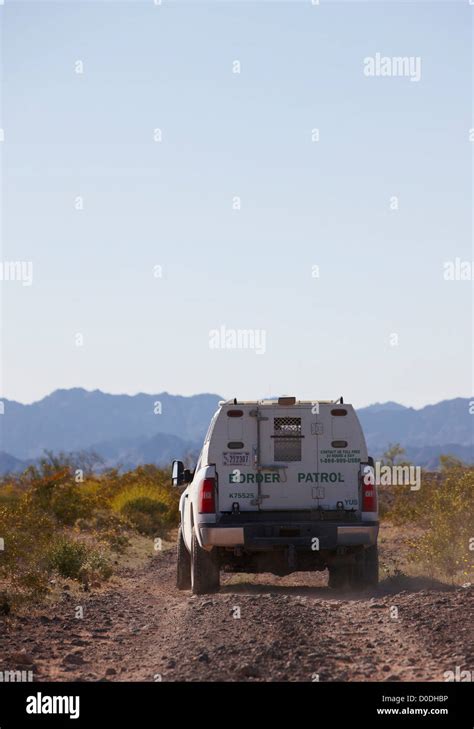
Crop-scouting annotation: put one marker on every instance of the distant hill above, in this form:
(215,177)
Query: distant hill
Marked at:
(428,456)
(124,429)
(160,449)
(10,464)
(379,407)
(76,419)
(447,422)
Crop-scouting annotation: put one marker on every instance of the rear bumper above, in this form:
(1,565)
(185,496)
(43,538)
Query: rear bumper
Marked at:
(300,535)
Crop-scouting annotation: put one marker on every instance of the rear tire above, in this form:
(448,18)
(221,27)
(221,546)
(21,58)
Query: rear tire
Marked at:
(205,573)
(366,568)
(339,577)
(371,566)
(183,574)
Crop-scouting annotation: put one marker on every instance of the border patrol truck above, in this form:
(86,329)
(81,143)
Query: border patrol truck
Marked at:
(280,486)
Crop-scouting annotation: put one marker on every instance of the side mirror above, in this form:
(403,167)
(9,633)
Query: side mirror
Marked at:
(177,473)
(188,475)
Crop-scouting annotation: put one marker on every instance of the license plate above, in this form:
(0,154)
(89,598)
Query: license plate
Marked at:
(236,459)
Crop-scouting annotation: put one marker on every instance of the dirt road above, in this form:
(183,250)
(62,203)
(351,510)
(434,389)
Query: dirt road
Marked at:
(257,628)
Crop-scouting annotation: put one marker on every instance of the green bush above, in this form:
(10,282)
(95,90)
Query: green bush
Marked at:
(69,503)
(67,558)
(444,509)
(96,566)
(146,514)
(76,560)
(446,545)
(43,509)
(26,534)
(45,477)
(9,495)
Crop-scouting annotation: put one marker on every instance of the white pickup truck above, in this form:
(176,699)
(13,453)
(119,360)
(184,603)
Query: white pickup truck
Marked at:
(280,486)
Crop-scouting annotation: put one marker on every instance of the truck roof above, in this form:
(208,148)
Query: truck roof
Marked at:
(277,401)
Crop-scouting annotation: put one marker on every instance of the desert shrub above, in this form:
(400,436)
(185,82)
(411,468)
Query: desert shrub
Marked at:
(69,502)
(393,456)
(45,477)
(146,499)
(444,509)
(10,494)
(386,498)
(26,534)
(117,541)
(67,557)
(404,505)
(146,514)
(53,488)
(390,507)
(446,545)
(148,508)
(107,526)
(43,510)
(96,566)
(77,560)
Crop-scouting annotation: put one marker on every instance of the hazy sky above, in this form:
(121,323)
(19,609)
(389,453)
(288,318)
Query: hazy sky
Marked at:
(380,322)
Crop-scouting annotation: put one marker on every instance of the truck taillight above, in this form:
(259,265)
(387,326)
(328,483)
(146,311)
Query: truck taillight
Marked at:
(369,498)
(207,496)
(369,490)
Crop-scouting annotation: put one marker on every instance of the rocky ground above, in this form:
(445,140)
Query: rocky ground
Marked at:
(257,628)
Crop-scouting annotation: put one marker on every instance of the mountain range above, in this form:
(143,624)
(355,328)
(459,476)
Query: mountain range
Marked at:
(129,430)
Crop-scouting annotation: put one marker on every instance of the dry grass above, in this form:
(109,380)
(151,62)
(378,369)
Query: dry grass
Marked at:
(435,524)
(58,522)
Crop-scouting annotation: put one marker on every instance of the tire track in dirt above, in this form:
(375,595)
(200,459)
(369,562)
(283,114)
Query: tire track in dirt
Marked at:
(268,628)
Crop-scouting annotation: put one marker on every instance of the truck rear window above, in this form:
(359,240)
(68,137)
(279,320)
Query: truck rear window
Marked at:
(287,439)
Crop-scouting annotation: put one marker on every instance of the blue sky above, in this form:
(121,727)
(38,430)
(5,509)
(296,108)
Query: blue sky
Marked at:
(303,203)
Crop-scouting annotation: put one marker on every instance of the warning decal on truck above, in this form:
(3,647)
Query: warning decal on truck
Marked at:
(336,455)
